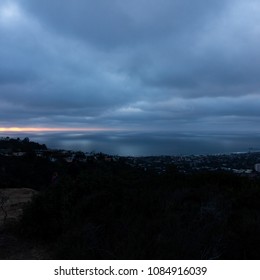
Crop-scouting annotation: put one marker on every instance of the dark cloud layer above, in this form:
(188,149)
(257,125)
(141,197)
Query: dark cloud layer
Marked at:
(142,64)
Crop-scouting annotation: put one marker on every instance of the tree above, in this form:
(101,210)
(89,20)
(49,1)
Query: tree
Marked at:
(26,140)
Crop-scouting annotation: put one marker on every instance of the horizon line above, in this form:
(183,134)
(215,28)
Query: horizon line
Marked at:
(56,129)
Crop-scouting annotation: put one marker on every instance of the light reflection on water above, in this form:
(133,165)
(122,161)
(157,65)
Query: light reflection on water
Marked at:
(141,144)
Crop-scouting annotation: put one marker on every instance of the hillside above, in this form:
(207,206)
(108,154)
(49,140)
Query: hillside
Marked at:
(107,209)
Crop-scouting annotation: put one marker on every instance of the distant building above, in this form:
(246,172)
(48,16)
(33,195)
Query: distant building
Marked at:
(19,154)
(257,167)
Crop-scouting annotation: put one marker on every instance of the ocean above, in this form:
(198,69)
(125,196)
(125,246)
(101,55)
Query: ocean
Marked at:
(131,143)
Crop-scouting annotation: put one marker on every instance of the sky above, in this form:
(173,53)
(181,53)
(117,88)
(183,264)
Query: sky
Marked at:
(139,66)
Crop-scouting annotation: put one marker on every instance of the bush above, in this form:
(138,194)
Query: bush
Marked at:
(111,211)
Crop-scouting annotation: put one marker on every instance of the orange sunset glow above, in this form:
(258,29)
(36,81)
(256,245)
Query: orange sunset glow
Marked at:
(53,129)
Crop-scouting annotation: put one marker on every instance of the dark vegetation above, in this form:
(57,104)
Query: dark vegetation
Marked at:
(17,145)
(109,210)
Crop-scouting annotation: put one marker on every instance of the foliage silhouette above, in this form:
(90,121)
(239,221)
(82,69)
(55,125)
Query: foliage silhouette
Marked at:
(113,211)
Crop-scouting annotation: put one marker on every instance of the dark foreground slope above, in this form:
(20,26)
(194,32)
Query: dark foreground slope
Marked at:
(113,211)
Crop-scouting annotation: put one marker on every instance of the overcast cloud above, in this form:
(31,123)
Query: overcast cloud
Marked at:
(170,65)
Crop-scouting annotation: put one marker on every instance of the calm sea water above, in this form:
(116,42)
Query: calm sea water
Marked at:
(150,143)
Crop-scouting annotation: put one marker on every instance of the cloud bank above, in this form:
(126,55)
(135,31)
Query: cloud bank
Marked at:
(138,65)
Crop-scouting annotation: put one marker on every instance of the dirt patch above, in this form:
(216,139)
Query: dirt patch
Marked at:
(12,245)
(13,202)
